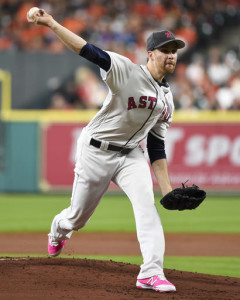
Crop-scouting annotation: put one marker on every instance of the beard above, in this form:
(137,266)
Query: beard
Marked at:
(170,68)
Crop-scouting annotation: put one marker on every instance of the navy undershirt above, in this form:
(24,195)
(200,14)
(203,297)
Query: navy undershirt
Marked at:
(96,56)
(155,146)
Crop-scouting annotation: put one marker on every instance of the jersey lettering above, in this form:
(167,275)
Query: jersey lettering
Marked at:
(152,100)
(142,102)
(131,103)
(165,114)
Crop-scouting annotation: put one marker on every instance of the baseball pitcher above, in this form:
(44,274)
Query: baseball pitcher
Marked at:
(139,104)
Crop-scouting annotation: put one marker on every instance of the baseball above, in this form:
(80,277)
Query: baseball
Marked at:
(32,11)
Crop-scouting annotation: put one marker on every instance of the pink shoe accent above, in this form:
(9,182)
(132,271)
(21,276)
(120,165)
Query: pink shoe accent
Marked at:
(55,250)
(155,283)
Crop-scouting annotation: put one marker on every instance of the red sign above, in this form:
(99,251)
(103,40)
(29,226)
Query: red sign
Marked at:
(206,154)
(59,147)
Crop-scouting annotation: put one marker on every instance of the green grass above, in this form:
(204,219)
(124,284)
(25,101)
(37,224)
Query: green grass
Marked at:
(224,266)
(34,213)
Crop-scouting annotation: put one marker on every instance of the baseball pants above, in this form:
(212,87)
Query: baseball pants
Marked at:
(94,170)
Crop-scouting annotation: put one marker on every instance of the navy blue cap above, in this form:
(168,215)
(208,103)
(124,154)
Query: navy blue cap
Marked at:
(160,38)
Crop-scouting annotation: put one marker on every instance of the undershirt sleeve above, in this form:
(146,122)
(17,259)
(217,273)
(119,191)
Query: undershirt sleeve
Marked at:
(155,147)
(96,56)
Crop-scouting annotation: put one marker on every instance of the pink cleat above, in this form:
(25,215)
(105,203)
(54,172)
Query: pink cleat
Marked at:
(55,248)
(156,283)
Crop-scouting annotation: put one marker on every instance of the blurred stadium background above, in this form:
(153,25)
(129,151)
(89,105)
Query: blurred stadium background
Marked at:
(48,93)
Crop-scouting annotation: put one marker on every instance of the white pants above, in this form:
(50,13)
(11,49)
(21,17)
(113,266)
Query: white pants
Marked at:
(94,170)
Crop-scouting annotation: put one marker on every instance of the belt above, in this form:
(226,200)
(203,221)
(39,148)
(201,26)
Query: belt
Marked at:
(110,147)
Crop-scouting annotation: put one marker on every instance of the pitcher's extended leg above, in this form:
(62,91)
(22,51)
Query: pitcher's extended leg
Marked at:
(135,179)
(93,174)
(83,203)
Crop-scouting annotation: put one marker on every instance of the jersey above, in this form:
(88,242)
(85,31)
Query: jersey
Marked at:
(135,105)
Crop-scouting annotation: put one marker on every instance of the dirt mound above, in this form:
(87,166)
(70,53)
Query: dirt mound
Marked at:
(58,278)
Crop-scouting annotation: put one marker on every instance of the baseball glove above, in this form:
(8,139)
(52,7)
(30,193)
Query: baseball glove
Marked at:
(183,198)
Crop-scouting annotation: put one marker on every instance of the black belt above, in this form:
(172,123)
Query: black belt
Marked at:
(110,147)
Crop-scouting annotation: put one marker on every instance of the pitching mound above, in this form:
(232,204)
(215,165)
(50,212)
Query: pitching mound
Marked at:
(57,278)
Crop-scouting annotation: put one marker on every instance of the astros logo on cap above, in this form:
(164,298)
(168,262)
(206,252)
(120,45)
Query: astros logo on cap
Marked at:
(168,34)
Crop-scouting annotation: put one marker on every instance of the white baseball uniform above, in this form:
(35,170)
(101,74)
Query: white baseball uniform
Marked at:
(135,105)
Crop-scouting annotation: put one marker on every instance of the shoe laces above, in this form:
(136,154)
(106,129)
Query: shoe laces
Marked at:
(162,277)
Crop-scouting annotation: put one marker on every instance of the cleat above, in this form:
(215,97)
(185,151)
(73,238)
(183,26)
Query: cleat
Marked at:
(55,248)
(156,283)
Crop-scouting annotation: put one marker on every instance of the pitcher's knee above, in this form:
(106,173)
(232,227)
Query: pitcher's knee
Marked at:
(70,225)
(66,225)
